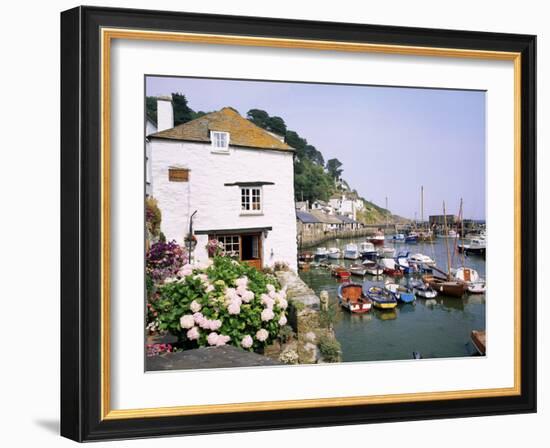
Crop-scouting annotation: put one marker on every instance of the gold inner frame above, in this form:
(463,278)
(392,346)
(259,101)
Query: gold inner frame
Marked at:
(107,35)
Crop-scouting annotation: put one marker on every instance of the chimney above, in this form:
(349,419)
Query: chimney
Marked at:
(165,113)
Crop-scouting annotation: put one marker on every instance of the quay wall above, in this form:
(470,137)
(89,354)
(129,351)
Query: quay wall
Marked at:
(311,239)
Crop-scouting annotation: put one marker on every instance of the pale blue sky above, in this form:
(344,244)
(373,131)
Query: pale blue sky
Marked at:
(391,140)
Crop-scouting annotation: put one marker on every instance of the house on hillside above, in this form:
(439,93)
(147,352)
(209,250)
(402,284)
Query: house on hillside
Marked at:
(329,222)
(308,226)
(322,206)
(346,203)
(235,179)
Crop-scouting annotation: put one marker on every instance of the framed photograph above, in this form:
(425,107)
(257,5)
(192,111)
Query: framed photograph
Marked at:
(273,223)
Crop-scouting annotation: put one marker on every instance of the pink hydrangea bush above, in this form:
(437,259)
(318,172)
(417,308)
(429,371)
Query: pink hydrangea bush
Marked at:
(227,303)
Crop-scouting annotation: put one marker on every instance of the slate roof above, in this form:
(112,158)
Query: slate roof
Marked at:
(306,218)
(325,218)
(345,219)
(242,132)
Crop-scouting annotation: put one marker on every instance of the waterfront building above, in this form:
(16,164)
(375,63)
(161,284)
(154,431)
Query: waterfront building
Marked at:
(330,223)
(231,179)
(439,220)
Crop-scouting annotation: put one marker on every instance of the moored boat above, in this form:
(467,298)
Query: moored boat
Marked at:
(478,338)
(352,298)
(398,238)
(422,289)
(449,234)
(478,287)
(367,250)
(381,298)
(475,246)
(358,269)
(411,238)
(421,259)
(334,253)
(390,267)
(401,293)
(306,257)
(387,252)
(378,238)
(351,252)
(372,267)
(340,272)
(454,288)
(321,252)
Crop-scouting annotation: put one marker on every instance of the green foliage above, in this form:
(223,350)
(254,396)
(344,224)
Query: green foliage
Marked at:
(151,108)
(330,348)
(182,112)
(153,216)
(210,294)
(286,333)
(330,316)
(334,168)
(311,182)
(262,119)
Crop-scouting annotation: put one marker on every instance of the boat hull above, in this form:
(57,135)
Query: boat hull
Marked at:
(352,298)
(479,341)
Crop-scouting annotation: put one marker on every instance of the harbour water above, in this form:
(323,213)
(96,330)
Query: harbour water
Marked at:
(436,328)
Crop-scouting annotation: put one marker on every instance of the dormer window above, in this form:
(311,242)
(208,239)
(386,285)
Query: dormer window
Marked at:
(220,141)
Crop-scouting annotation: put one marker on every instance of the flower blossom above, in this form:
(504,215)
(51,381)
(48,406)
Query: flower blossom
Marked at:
(209,288)
(185,270)
(212,338)
(169,280)
(195,306)
(243,281)
(241,290)
(234,307)
(267,301)
(214,324)
(187,321)
(222,340)
(248,296)
(282,303)
(247,341)
(267,314)
(270,288)
(282,320)
(202,277)
(193,334)
(262,335)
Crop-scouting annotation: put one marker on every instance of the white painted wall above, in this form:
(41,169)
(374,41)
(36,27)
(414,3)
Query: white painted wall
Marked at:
(150,128)
(165,114)
(218,206)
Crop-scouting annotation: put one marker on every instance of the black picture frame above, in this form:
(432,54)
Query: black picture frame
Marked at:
(81,224)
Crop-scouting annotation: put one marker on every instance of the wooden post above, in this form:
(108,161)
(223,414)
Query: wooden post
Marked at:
(447,241)
(323,299)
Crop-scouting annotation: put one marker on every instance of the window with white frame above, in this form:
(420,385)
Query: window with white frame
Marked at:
(220,141)
(251,199)
(231,245)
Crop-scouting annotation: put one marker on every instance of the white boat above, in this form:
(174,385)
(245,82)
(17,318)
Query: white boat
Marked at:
(372,267)
(398,238)
(467,275)
(386,252)
(478,287)
(402,260)
(377,239)
(321,252)
(450,234)
(422,289)
(476,245)
(351,252)
(366,249)
(334,253)
(421,259)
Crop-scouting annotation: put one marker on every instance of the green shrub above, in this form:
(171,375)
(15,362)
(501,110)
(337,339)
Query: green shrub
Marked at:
(330,348)
(228,303)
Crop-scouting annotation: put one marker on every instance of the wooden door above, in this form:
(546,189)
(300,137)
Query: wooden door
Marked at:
(251,250)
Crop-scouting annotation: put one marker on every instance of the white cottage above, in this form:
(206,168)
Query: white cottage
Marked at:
(238,178)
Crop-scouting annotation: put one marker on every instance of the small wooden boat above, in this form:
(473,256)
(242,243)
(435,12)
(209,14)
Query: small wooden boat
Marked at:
(401,293)
(341,272)
(372,267)
(454,288)
(390,267)
(358,269)
(303,266)
(381,298)
(352,298)
(474,283)
(450,234)
(306,257)
(478,338)
(422,289)
(351,252)
(334,253)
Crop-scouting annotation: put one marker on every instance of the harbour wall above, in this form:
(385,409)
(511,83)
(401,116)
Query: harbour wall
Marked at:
(312,239)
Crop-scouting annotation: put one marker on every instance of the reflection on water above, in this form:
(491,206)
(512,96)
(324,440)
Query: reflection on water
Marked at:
(435,328)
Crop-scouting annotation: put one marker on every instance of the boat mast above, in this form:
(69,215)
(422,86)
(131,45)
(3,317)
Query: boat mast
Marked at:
(462,229)
(447,241)
(387,211)
(422,206)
